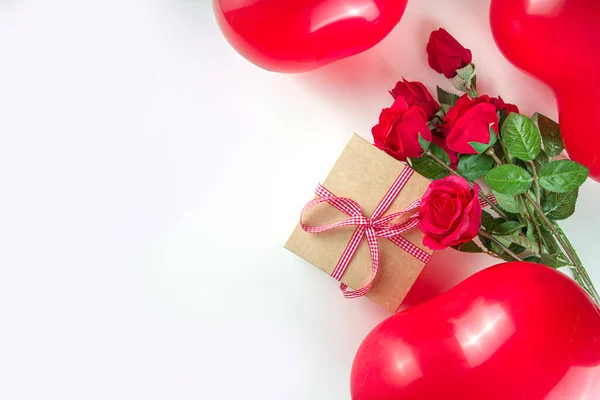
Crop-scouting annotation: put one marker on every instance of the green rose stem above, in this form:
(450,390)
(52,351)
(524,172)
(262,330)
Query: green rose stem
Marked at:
(561,238)
(535,225)
(482,195)
(537,184)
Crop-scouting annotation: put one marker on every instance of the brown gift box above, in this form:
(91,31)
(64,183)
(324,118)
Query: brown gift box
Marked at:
(364,174)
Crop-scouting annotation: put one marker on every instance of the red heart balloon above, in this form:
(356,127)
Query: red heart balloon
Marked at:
(513,331)
(301,35)
(556,41)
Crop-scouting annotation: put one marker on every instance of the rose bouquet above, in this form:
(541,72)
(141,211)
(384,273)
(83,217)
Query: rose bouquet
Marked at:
(465,142)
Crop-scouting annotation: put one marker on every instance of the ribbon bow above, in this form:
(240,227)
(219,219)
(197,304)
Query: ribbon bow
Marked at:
(377,226)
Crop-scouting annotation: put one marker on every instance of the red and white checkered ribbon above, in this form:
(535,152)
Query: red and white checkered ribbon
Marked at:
(374,227)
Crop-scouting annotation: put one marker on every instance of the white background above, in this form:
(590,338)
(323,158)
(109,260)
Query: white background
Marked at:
(149,177)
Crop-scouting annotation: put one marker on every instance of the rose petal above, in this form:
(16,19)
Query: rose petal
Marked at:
(433,243)
(473,126)
(408,129)
(469,224)
(446,215)
(428,225)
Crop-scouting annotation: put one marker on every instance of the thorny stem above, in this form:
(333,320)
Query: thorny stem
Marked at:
(482,195)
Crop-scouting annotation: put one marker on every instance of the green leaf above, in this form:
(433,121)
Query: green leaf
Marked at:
(553,261)
(446,98)
(482,147)
(469,247)
(515,248)
(508,228)
(550,130)
(521,137)
(473,167)
(445,108)
(507,202)
(424,143)
(463,80)
(467,73)
(509,179)
(552,255)
(529,244)
(440,153)
(500,251)
(550,245)
(533,259)
(541,160)
(487,243)
(559,206)
(488,221)
(562,176)
(428,167)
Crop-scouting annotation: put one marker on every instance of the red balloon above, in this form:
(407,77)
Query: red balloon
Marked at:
(301,35)
(556,41)
(513,331)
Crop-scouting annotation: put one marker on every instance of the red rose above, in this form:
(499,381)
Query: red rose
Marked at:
(450,213)
(446,55)
(441,141)
(398,130)
(469,121)
(501,105)
(416,94)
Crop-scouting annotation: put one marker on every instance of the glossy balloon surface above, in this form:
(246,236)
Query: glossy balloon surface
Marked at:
(301,35)
(556,41)
(513,331)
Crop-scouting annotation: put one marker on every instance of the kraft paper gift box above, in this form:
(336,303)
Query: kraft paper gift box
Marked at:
(364,174)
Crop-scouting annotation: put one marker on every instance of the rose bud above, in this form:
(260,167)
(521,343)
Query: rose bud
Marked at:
(446,54)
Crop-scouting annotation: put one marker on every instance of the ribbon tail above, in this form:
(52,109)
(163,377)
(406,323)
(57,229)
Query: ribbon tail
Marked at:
(348,253)
(374,249)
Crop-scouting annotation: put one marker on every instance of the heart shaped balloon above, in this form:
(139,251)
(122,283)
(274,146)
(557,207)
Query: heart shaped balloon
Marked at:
(301,35)
(513,331)
(556,41)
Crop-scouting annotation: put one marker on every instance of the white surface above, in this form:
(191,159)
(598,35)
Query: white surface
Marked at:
(149,178)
